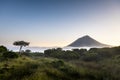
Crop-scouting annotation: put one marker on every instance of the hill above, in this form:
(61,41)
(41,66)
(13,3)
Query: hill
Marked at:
(87,41)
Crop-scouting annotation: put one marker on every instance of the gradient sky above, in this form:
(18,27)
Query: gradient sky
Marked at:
(59,22)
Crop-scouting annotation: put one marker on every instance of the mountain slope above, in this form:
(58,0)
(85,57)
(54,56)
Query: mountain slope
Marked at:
(87,41)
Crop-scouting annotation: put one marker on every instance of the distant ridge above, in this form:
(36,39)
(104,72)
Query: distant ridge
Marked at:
(87,41)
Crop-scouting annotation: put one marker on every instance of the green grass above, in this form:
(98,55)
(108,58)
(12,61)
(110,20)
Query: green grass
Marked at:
(25,68)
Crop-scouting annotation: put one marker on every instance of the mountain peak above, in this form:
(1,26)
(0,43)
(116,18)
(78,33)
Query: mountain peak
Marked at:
(86,36)
(87,41)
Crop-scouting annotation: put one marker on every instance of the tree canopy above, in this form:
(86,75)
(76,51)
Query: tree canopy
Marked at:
(21,44)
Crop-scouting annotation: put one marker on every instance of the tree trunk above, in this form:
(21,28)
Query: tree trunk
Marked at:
(20,49)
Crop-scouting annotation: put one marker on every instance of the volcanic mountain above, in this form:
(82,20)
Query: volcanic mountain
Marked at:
(87,41)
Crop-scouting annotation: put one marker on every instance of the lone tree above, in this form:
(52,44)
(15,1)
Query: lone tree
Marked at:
(21,44)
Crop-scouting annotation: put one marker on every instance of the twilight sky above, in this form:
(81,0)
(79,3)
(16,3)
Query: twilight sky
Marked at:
(59,22)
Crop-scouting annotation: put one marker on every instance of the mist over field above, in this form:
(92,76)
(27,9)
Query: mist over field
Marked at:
(42,49)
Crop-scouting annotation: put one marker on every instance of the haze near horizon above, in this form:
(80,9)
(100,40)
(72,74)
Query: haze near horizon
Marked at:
(59,22)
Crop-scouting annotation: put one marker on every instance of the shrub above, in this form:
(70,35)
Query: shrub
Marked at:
(93,50)
(3,49)
(10,55)
(28,51)
(57,63)
(91,57)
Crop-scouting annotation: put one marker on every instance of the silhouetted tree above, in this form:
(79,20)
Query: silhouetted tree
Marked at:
(27,51)
(21,44)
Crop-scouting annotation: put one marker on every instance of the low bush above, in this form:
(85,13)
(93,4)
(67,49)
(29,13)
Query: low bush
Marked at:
(9,54)
(3,49)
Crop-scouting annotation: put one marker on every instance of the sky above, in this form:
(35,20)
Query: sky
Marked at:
(49,23)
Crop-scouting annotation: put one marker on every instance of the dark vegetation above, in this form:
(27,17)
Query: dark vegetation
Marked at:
(93,54)
(58,64)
